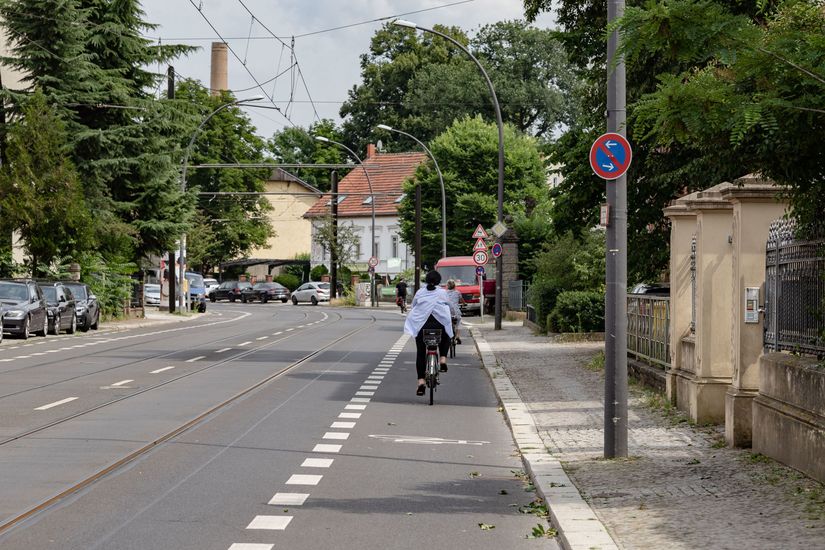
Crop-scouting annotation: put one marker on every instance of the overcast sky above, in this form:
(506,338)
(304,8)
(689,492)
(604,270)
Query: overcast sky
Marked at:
(329,61)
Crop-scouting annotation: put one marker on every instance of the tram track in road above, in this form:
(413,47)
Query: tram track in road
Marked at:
(156,443)
(229,359)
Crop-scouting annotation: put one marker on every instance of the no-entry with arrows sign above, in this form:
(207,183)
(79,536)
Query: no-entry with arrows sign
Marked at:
(610,156)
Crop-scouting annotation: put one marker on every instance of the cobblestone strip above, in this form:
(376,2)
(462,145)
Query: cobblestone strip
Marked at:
(577,524)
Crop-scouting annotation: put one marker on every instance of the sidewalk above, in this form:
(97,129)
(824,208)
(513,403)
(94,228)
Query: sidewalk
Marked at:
(680,488)
(152,318)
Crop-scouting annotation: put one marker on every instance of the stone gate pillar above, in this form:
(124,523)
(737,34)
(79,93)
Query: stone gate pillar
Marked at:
(509,267)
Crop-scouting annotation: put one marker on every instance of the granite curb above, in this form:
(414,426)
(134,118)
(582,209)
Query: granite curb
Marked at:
(577,525)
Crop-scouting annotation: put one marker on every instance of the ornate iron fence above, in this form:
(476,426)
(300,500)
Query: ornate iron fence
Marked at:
(648,329)
(794,291)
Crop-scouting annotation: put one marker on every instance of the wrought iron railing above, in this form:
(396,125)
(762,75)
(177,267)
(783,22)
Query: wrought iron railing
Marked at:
(517,295)
(794,291)
(648,329)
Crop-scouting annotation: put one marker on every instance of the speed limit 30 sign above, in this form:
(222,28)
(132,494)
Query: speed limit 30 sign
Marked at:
(480,257)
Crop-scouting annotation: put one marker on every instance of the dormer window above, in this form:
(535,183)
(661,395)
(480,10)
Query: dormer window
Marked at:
(368,200)
(400,198)
(339,201)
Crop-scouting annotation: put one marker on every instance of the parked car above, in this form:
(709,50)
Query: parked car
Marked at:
(313,293)
(61,307)
(151,294)
(210,284)
(265,292)
(229,290)
(86,305)
(23,308)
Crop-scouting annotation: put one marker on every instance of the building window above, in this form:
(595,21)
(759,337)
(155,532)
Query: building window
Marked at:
(368,200)
(401,198)
(375,248)
(394,247)
(357,248)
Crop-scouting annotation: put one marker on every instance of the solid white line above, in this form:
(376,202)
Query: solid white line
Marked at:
(223,350)
(360,400)
(342,425)
(322,448)
(262,338)
(336,435)
(301,479)
(355,407)
(122,382)
(349,415)
(198,358)
(317,463)
(365,393)
(288,499)
(55,404)
(161,370)
(251,546)
(245,343)
(272,523)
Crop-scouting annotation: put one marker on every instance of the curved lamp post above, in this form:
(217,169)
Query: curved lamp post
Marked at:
(182,301)
(440,180)
(323,139)
(499,274)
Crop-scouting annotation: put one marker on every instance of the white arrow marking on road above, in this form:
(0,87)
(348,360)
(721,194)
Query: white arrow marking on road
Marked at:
(609,166)
(427,440)
(56,403)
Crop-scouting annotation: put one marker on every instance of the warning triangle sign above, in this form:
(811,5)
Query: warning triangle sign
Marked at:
(480,245)
(479,233)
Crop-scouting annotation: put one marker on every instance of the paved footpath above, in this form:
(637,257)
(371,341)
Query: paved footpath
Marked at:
(680,488)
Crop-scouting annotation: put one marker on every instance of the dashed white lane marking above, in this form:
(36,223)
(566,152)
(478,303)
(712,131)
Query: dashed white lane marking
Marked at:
(360,400)
(365,393)
(317,463)
(323,448)
(245,343)
(23,357)
(289,329)
(262,338)
(7,360)
(161,370)
(288,499)
(272,523)
(121,383)
(223,350)
(251,546)
(303,479)
(350,415)
(277,333)
(56,404)
(198,358)
(355,407)
(336,435)
(375,377)
(57,350)
(368,388)
(342,425)
(38,353)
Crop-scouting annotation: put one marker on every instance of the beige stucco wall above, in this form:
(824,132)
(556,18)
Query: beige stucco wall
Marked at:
(11,77)
(293,232)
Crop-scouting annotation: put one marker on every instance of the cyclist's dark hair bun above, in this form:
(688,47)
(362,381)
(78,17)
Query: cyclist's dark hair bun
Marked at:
(433,279)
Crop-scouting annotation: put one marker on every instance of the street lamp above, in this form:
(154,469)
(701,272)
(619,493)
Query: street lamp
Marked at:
(182,251)
(323,139)
(499,273)
(440,179)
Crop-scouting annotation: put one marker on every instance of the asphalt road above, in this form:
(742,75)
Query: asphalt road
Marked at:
(253,427)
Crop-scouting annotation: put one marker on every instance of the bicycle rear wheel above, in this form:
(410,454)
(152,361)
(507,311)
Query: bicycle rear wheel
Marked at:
(432,374)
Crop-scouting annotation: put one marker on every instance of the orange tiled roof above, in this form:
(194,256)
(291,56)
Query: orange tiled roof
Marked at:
(387,172)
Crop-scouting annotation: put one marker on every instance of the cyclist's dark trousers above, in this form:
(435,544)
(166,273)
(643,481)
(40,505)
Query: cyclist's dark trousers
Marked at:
(421,348)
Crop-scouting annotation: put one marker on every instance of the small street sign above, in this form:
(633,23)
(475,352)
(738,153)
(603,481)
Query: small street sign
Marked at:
(373,261)
(499,229)
(480,245)
(497,250)
(604,215)
(479,233)
(480,257)
(480,271)
(610,156)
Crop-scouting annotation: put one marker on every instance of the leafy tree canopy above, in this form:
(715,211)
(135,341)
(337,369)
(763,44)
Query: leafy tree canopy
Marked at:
(298,145)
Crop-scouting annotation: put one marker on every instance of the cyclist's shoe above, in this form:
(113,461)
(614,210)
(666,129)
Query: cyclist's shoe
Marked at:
(421,389)
(443,367)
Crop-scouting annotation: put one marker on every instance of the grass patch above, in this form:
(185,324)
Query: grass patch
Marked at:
(596,364)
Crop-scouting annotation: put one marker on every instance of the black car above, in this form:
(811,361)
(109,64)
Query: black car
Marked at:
(229,290)
(87,307)
(265,292)
(23,308)
(61,307)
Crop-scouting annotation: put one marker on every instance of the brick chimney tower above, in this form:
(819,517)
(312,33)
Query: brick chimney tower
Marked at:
(219,79)
(371,150)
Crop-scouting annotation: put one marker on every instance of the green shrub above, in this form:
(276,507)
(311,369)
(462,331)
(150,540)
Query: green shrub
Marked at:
(542,296)
(577,311)
(298,270)
(288,280)
(317,272)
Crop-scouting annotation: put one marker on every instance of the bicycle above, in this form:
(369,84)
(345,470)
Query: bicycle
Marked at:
(453,342)
(432,337)
(402,303)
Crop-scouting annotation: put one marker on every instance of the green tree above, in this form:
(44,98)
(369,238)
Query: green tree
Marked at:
(345,239)
(237,223)
(296,144)
(467,154)
(38,167)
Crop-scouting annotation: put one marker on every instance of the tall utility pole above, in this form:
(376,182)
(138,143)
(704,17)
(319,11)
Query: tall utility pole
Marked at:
(333,250)
(417,283)
(615,380)
(170,93)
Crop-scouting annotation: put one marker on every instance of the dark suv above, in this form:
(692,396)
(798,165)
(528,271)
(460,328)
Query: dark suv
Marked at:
(86,305)
(229,290)
(23,308)
(61,307)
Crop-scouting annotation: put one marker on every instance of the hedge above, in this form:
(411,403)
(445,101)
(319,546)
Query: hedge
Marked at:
(577,311)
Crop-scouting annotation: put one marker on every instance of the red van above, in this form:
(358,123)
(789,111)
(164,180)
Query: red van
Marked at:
(462,270)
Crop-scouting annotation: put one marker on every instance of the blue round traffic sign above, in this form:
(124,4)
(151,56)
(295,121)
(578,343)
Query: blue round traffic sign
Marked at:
(610,156)
(496,250)
(480,271)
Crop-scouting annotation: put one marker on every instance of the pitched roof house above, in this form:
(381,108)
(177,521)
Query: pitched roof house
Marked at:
(387,173)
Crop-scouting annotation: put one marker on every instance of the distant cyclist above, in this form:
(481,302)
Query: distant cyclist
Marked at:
(430,309)
(401,294)
(455,307)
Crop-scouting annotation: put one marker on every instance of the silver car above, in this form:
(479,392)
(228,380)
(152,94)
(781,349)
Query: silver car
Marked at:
(313,293)
(151,295)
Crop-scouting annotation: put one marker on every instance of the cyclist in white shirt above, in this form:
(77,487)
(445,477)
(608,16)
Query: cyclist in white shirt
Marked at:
(430,308)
